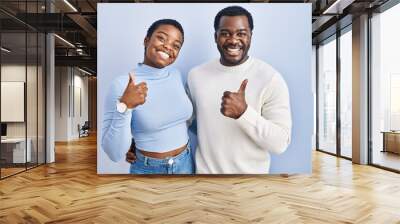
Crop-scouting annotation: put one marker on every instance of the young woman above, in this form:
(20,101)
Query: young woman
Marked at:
(151,106)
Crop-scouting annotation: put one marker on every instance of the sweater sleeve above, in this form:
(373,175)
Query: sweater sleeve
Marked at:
(116,127)
(192,121)
(270,128)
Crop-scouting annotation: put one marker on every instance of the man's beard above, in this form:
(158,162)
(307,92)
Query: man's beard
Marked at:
(233,62)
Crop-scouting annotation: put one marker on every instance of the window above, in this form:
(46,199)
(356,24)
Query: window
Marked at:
(327,96)
(346,75)
(385,89)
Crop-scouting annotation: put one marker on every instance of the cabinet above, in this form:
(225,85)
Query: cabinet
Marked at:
(391,141)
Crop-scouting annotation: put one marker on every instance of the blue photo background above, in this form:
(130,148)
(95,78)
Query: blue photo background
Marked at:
(281,37)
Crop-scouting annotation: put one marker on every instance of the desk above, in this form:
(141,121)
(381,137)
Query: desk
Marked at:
(391,141)
(13,150)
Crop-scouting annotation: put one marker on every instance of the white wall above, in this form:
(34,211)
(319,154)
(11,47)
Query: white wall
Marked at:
(61,103)
(70,83)
(12,73)
(33,126)
(79,117)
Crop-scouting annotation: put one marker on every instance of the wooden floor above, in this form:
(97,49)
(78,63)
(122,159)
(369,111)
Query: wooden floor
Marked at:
(70,191)
(5,172)
(387,159)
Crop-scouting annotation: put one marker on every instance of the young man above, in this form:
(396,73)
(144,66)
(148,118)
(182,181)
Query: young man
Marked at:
(241,103)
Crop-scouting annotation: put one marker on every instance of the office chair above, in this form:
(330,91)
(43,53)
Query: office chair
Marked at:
(84,130)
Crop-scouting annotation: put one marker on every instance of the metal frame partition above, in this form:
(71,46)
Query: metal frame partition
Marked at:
(36,33)
(337,34)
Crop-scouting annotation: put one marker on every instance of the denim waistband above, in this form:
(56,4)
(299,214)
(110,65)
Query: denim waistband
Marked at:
(168,160)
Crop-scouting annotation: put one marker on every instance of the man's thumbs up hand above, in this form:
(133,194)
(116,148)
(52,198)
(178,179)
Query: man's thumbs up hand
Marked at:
(242,88)
(234,103)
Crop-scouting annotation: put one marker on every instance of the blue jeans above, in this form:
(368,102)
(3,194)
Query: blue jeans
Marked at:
(180,164)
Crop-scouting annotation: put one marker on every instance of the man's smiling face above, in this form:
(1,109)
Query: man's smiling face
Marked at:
(233,39)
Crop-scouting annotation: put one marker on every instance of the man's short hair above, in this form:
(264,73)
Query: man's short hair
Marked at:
(233,11)
(160,22)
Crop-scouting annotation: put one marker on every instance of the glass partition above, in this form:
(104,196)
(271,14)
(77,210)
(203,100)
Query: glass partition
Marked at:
(327,96)
(22,63)
(13,103)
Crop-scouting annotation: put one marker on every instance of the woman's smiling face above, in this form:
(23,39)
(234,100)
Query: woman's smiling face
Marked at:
(163,46)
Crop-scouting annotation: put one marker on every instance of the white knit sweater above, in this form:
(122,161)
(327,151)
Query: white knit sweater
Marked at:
(242,146)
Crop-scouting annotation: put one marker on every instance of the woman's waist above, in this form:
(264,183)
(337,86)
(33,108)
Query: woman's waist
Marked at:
(162,141)
(163,155)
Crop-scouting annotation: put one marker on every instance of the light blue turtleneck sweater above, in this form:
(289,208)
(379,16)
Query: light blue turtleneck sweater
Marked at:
(159,125)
